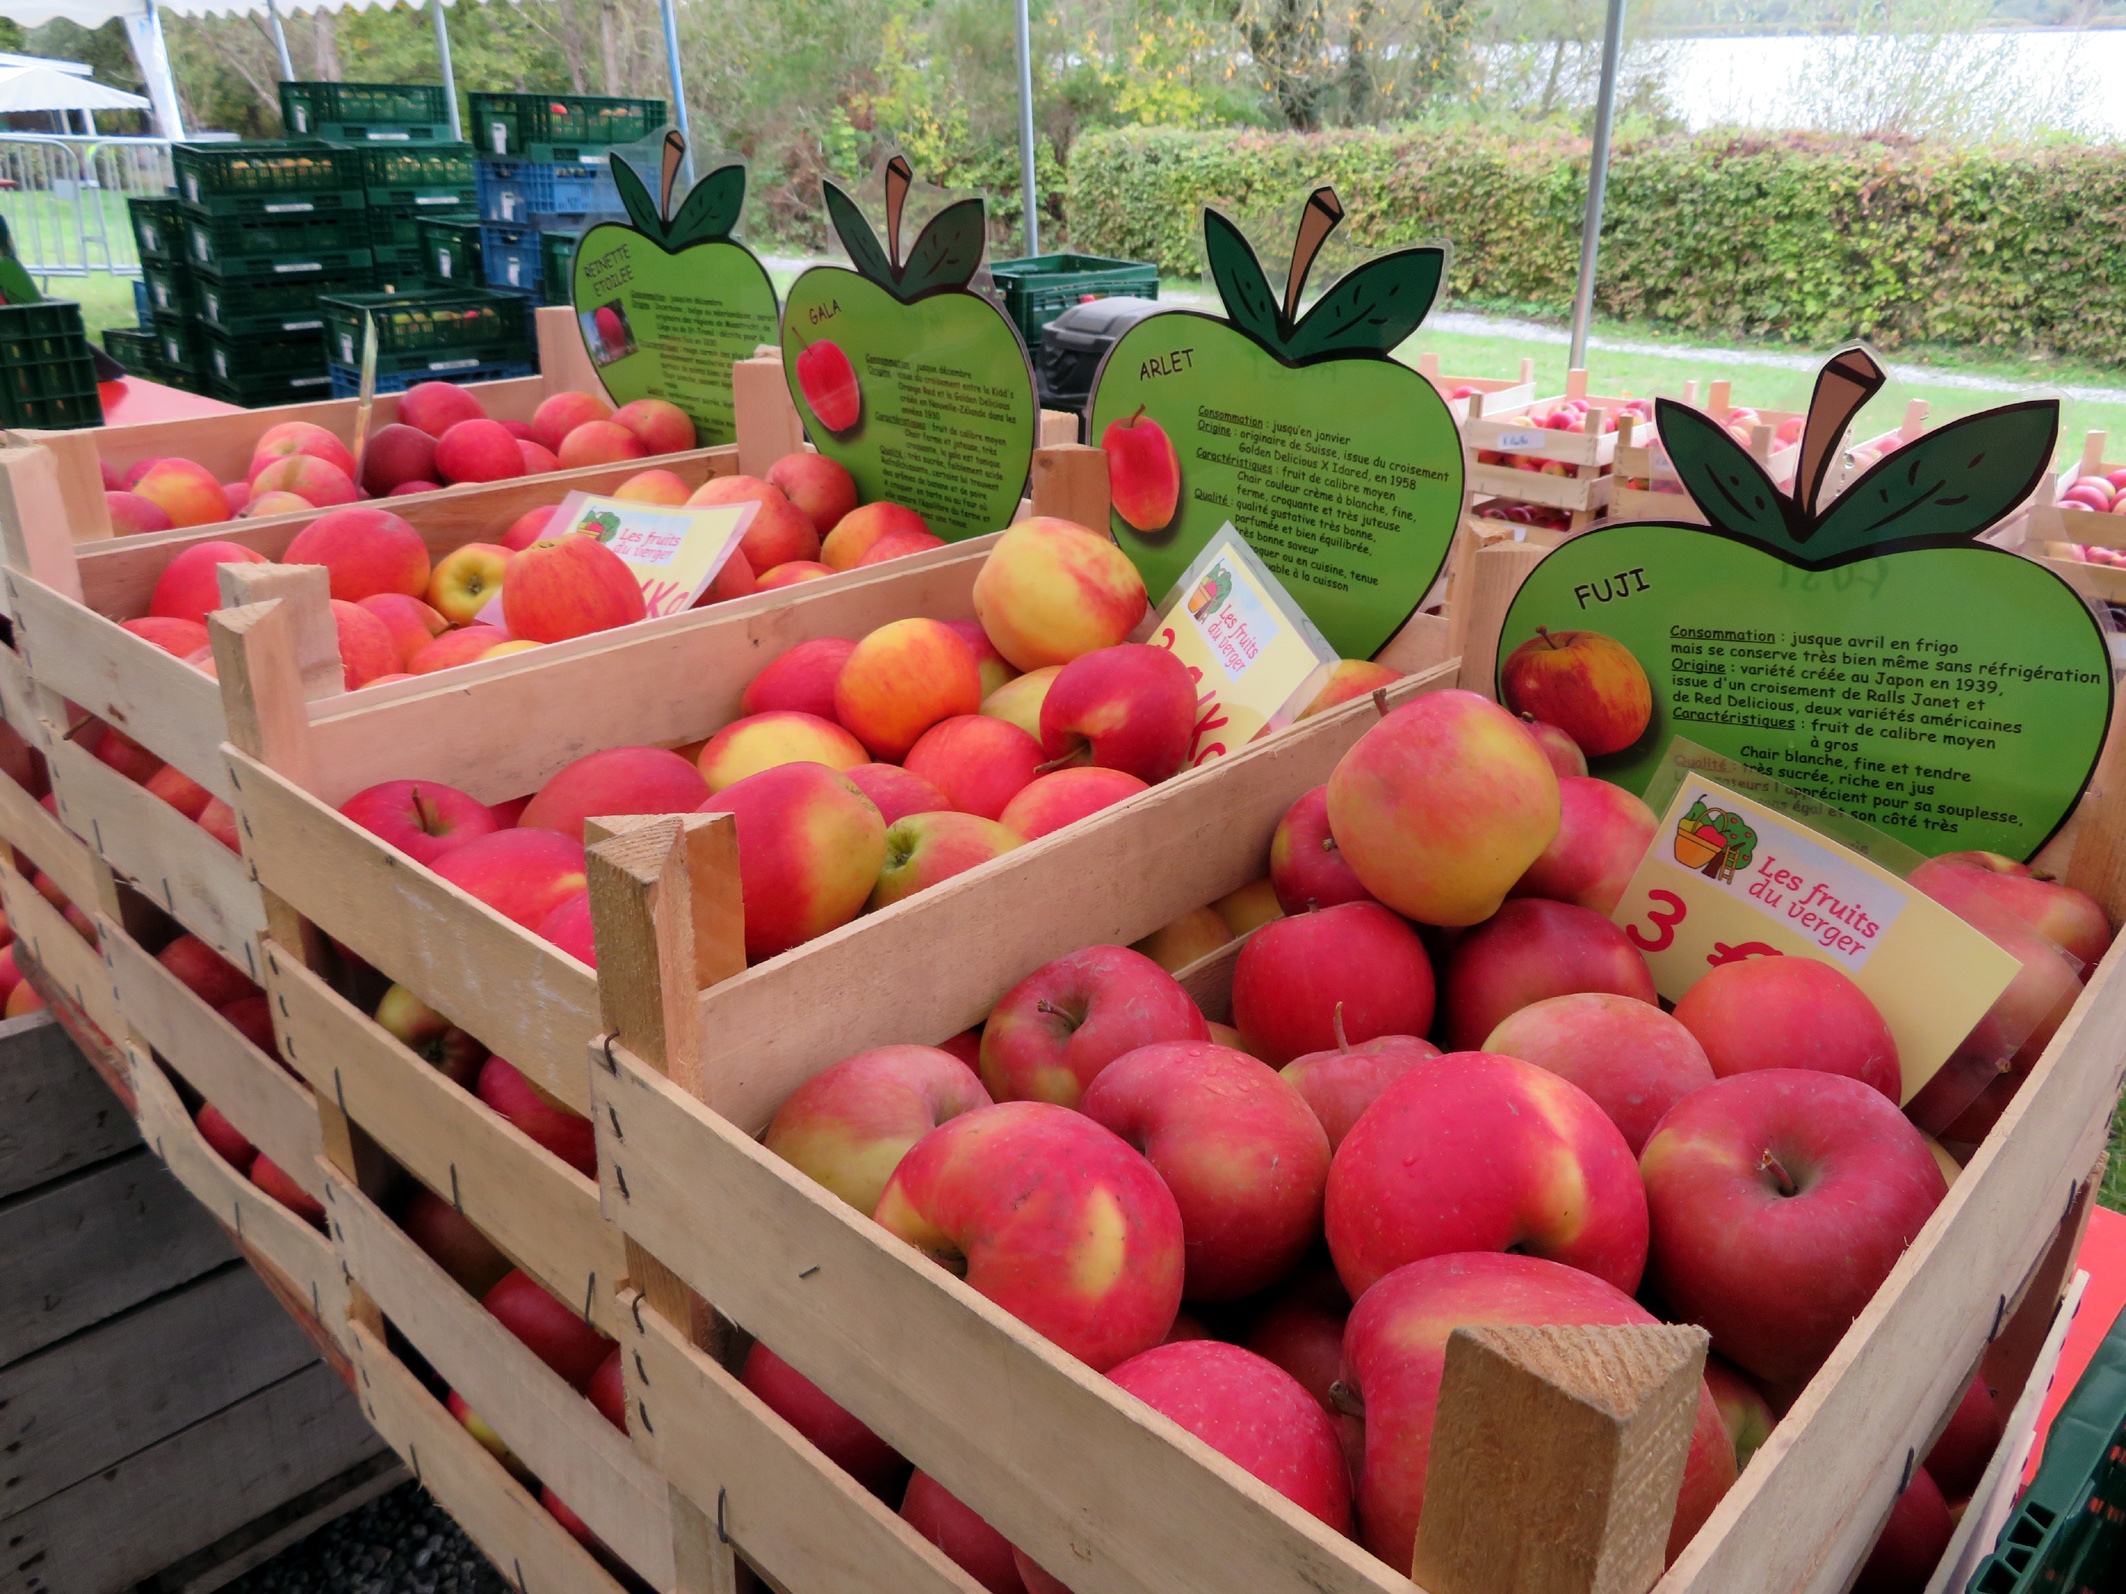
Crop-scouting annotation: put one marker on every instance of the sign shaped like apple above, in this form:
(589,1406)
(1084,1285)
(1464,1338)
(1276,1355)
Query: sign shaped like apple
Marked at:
(667,303)
(1872,653)
(1338,464)
(905,376)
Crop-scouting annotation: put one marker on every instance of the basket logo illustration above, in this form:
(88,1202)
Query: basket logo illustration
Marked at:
(600,523)
(1211,592)
(1714,841)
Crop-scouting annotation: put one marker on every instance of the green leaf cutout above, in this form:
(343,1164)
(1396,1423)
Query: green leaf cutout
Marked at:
(865,251)
(1718,472)
(635,199)
(1372,308)
(711,210)
(1950,484)
(1249,304)
(946,253)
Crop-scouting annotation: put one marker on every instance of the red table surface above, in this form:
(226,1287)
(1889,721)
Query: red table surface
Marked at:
(2103,1258)
(135,399)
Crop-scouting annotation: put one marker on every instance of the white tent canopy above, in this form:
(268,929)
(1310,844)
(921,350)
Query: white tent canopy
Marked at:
(40,88)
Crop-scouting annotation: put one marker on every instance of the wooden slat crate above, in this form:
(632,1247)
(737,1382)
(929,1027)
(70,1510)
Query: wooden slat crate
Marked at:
(1492,393)
(1078,1478)
(2056,532)
(1666,501)
(224,443)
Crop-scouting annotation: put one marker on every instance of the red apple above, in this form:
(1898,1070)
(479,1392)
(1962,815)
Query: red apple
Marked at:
(779,531)
(1050,1216)
(368,650)
(608,1390)
(188,587)
(1395,1348)
(178,638)
(902,679)
(828,382)
(1339,1084)
(568,586)
(1306,870)
(132,514)
(1051,591)
(817,485)
(1632,1058)
(788,574)
(1356,966)
(1064,796)
(398,454)
(1603,833)
(189,494)
(848,1126)
(465,580)
(412,623)
(896,793)
(1528,951)
(274,1180)
(1959,1457)
(453,648)
(561,413)
(996,669)
(962,1537)
(1790,1012)
(923,850)
(1237,1145)
(1350,679)
(840,1437)
(225,1138)
(551,1331)
(617,780)
(1911,1543)
(1478,1152)
(1744,1412)
(179,790)
(1562,751)
(205,972)
(364,551)
(1780,1199)
(1442,806)
(899,545)
(2068,918)
(522,874)
(430,1036)
(1143,471)
(422,818)
(435,407)
(763,741)
(800,679)
(1130,707)
(252,1018)
(861,529)
(1585,683)
(1052,1033)
(528,528)
(312,482)
(447,1236)
(810,845)
(569,928)
(1301,1329)
(599,443)
(1195,935)
(979,763)
(541,1116)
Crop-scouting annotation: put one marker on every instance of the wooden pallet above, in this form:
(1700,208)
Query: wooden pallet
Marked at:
(224,443)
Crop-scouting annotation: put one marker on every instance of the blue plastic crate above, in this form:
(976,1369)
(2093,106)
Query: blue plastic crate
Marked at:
(509,256)
(511,191)
(143,306)
(347,379)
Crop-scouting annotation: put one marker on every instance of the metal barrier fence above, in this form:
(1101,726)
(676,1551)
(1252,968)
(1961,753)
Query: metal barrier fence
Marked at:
(64,199)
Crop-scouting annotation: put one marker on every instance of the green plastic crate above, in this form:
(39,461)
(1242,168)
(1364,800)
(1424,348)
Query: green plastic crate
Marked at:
(233,358)
(135,348)
(252,247)
(158,229)
(1038,288)
(182,345)
(524,126)
(422,176)
(418,330)
(264,389)
(170,289)
(557,263)
(398,268)
(365,112)
(47,375)
(288,179)
(272,307)
(450,250)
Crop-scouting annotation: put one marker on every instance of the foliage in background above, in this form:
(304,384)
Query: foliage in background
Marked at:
(1801,237)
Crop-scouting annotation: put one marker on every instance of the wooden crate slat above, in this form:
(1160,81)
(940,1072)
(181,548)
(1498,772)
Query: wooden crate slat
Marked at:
(125,1210)
(176,864)
(1003,1418)
(532,1550)
(541,1212)
(68,961)
(271,1110)
(28,825)
(523,999)
(99,1397)
(1112,878)
(18,704)
(55,1114)
(555,1431)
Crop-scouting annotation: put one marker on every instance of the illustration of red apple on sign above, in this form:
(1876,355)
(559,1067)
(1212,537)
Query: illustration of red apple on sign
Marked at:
(667,303)
(906,376)
(1872,653)
(1340,465)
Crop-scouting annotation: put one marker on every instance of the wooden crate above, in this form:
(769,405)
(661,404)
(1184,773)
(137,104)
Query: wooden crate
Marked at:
(1078,1477)
(1493,393)
(1658,501)
(2055,533)
(224,443)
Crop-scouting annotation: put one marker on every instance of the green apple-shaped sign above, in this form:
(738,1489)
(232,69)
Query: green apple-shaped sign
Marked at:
(1874,654)
(666,304)
(913,382)
(1340,465)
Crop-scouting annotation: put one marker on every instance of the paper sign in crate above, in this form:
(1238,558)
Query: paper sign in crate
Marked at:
(1492,393)
(224,443)
(1077,1477)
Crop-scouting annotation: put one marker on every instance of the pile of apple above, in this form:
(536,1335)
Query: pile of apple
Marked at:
(1568,415)
(2101,495)
(1449,1095)
(443,437)
(400,614)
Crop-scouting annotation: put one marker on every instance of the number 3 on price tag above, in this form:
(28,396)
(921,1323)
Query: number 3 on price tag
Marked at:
(1670,911)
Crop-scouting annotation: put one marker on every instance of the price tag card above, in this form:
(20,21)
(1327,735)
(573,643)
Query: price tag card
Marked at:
(1255,657)
(674,552)
(1729,876)
(1536,442)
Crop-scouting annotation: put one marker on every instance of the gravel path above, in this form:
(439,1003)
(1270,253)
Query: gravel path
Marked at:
(399,1543)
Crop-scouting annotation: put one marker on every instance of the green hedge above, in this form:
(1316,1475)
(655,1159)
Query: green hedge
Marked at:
(1802,237)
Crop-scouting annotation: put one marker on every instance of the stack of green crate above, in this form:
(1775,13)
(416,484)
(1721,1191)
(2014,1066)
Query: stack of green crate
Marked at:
(266,230)
(450,250)
(47,375)
(444,334)
(366,113)
(166,295)
(405,184)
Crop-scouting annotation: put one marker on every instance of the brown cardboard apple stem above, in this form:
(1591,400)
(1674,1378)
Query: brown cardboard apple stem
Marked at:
(675,154)
(900,176)
(1845,383)
(1323,214)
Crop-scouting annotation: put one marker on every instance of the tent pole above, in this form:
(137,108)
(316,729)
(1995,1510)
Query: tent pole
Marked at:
(1028,197)
(280,42)
(144,32)
(450,79)
(1597,184)
(679,84)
